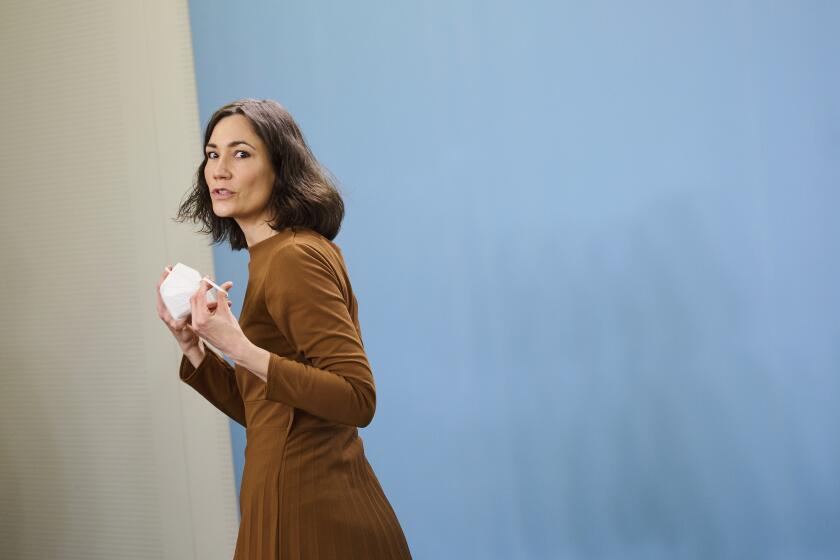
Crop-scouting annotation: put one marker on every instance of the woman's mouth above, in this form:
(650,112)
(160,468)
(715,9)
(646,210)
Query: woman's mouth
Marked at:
(221,194)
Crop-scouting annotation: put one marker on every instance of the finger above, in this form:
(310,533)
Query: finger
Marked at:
(179,323)
(157,294)
(221,291)
(222,297)
(163,312)
(224,287)
(205,286)
(162,277)
(198,295)
(198,304)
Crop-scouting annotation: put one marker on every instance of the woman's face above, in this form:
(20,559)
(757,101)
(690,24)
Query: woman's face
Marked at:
(238,162)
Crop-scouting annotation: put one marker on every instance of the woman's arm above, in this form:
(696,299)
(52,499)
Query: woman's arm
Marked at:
(304,298)
(214,379)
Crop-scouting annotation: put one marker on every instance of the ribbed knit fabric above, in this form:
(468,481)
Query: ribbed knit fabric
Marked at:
(308,491)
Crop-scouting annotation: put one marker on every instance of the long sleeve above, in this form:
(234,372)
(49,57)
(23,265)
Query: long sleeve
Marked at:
(304,298)
(214,379)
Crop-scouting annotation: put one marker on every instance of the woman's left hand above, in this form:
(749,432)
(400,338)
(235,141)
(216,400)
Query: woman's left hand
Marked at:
(217,326)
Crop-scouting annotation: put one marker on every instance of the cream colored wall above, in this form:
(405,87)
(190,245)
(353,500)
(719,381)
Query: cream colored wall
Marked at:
(105,452)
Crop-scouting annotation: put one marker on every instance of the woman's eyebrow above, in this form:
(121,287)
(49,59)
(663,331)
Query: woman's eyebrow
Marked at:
(231,144)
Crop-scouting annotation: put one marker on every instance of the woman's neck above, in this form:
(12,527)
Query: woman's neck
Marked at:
(256,231)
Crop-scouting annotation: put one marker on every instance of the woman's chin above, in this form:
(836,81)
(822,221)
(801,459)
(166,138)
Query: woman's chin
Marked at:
(222,211)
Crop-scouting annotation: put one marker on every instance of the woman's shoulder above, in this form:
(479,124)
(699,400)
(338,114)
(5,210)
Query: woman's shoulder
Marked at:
(306,244)
(310,236)
(304,261)
(305,238)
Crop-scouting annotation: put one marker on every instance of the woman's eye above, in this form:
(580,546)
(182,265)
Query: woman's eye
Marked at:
(211,154)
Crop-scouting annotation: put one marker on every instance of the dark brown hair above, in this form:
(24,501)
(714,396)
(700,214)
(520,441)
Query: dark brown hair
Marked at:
(305,194)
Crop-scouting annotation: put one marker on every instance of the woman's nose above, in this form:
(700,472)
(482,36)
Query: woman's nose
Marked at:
(220,170)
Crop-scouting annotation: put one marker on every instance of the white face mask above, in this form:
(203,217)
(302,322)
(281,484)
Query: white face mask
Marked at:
(177,289)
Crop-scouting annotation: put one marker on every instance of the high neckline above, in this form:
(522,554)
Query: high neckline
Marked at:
(262,247)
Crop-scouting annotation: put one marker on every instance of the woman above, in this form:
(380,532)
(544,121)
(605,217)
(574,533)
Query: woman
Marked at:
(302,384)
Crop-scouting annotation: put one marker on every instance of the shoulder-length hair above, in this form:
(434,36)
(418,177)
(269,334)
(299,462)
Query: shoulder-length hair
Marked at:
(305,194)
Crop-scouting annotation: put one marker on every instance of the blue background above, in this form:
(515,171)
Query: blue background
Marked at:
(595,248)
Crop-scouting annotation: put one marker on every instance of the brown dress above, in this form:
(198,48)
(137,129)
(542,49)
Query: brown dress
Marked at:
(308,491)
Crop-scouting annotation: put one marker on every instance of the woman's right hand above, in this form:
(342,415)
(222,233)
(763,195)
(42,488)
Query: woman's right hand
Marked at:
(181,329)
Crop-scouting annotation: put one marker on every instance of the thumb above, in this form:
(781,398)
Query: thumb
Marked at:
(226,287)
(221,297)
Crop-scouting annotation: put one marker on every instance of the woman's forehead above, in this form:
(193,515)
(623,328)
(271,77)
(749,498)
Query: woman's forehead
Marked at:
(234,128)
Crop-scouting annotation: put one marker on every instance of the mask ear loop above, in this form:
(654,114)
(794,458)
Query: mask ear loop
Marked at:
(214,285)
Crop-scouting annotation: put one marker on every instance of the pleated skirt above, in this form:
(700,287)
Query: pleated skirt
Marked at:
(314,496)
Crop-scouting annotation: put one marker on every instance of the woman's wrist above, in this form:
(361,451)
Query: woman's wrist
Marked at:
(195,353)
(253,358)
